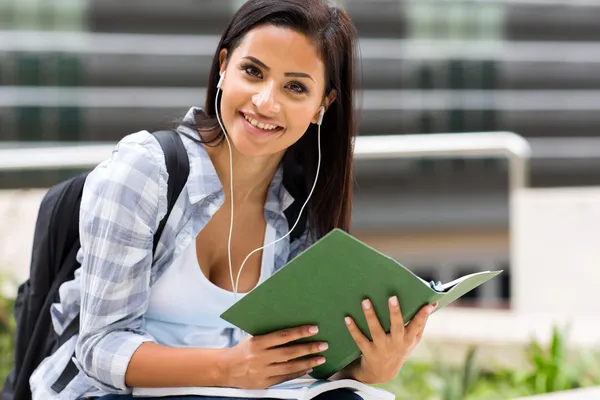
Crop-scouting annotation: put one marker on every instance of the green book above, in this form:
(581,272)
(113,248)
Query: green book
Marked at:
(328,282)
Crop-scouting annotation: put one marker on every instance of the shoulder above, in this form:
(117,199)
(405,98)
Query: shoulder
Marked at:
(134,175)
(136,154)
(141,147)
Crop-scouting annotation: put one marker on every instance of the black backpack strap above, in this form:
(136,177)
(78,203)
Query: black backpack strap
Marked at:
(70,371)
(294,183)
(178,167)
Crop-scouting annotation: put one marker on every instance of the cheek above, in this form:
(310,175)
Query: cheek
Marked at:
(235,96)
(228,107)
(299,117)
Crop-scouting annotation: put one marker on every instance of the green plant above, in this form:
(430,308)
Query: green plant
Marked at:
(551,369)
(439,381)
(555,368)
(552,372)
(7,336)
(456,383)
(413,382)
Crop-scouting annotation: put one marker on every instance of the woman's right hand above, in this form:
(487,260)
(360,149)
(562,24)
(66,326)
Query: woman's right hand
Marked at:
(258,362)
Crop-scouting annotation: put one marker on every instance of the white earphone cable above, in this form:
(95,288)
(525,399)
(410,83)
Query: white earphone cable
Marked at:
(297,220)
(231,189)
(235,286)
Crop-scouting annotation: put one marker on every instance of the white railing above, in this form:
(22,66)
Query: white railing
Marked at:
(469,145)
(507,145)
(371,48)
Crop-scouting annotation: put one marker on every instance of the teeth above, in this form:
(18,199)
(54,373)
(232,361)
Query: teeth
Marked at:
(254,122)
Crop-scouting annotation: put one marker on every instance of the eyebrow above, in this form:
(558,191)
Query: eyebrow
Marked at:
(292,74)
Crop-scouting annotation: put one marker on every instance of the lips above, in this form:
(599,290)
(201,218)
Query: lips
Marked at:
(261,125)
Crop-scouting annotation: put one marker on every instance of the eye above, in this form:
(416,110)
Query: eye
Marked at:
(297,87)
(252,71)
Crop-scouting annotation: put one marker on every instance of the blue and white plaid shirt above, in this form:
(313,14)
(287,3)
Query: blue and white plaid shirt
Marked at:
(124,200)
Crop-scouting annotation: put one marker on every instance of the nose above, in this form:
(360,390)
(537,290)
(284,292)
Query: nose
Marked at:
(265,100)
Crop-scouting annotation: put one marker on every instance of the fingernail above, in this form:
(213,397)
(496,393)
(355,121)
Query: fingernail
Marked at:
(323,346)
(321,361)
(366,304)
(348,320)
(309,371)
(394,301)
(313,329)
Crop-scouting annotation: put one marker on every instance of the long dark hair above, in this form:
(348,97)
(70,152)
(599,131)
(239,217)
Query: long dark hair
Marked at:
(335,37)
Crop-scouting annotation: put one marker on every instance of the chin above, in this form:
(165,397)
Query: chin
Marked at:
(252,145)
(250,148)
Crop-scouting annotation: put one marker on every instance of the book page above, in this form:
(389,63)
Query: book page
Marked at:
(367,392)
(297,389)
(444,287)
(298,383)
(293,389)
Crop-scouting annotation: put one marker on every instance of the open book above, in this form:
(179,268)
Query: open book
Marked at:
(328,282)
(300,389)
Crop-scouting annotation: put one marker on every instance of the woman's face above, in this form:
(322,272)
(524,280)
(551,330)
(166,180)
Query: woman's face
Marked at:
(273,90)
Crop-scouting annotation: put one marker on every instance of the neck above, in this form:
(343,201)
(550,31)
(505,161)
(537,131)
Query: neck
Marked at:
(252,176)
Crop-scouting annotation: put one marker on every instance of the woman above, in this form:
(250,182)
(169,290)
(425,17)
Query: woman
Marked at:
(283,70)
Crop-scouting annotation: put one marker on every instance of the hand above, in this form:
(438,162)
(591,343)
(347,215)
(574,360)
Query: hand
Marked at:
(383,357)
(258,362)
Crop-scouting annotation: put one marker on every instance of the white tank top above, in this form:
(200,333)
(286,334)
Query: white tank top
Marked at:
(184,306)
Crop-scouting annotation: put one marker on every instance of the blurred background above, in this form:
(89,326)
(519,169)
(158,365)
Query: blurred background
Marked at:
(90,71)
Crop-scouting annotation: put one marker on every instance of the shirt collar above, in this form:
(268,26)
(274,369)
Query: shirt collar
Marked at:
(278,198)
(204,181)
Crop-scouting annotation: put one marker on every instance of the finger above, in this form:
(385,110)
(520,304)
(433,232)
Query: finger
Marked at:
(363,343)
(294,366)
(422,331)
(418,322)
(284,336)
(420,334)
(396,319)
(290,352)
(377,332)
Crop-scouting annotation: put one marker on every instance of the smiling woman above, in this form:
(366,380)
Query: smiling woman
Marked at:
(282,62)
(279,108)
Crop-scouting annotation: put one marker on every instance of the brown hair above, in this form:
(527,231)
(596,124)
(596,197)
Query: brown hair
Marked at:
(335,37)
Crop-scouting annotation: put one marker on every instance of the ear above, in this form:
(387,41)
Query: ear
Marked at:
(329,99)
(222,61)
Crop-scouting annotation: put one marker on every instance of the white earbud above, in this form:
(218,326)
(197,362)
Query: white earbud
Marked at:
(220,84)
(321,114)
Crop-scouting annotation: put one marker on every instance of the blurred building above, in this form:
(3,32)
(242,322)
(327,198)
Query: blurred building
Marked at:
(96,70)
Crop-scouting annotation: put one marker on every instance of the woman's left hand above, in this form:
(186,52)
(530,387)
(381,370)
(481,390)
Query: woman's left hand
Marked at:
(383,357)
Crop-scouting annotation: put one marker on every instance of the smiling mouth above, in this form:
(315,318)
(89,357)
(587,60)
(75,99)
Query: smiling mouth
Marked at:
(260,125)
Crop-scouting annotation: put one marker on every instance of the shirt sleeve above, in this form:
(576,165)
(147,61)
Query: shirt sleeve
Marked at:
(120,206)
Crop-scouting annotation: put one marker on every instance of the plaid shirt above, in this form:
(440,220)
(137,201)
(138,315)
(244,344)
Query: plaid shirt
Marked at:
(124,200)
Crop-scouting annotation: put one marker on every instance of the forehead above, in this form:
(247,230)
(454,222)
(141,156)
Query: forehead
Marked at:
(282,49)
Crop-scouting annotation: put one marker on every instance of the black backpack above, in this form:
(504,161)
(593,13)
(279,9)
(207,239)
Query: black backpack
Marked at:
(53,262)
